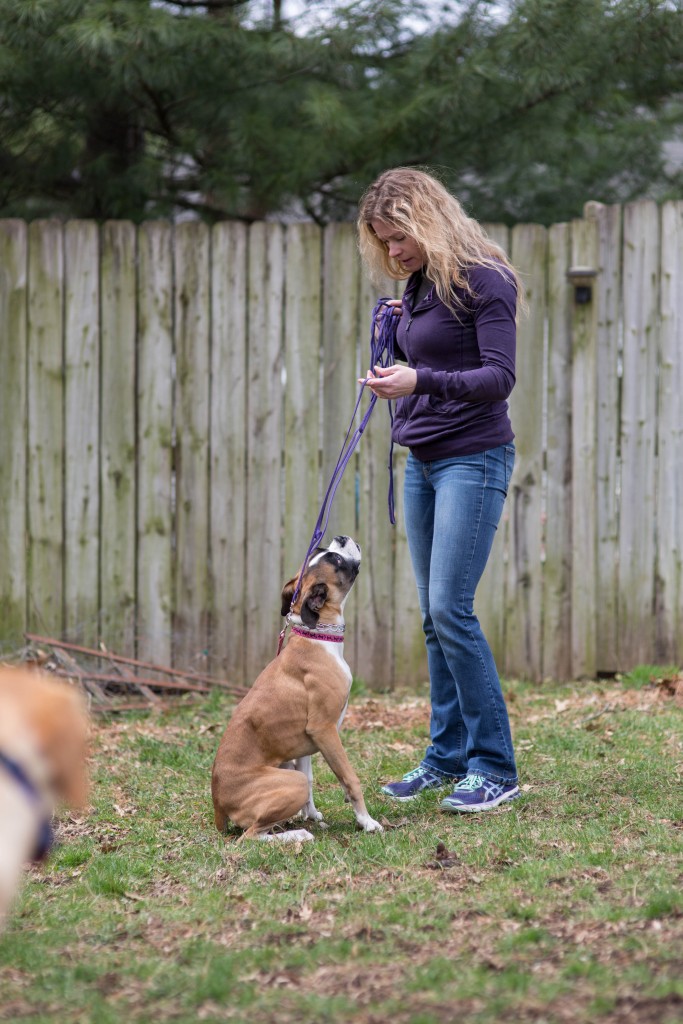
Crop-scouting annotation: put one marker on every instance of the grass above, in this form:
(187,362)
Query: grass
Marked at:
(564,906)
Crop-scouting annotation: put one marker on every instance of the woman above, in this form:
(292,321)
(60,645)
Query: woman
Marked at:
(457,335)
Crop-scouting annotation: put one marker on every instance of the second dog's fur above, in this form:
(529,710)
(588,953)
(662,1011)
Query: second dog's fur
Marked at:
(44,733)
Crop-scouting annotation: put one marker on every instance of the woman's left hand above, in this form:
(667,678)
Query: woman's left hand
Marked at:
(391,381)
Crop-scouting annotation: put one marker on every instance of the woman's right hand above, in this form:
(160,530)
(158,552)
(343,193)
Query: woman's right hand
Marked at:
(396,307)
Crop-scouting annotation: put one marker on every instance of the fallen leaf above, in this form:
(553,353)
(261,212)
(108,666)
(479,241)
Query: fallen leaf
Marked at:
(444,858)
(401,823)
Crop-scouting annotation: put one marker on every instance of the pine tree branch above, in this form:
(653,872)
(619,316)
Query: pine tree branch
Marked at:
(210,5)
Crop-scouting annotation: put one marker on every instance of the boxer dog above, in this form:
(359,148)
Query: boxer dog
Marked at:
(44,736)
(262,772)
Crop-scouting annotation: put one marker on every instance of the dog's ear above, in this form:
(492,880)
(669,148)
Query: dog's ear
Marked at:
(287,595)
(290,587)
(313,601)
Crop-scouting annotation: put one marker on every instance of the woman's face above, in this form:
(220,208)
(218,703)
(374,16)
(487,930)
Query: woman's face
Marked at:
(399,246)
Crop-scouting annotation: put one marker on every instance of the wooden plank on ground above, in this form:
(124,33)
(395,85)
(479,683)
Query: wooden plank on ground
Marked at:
(13,509)
(155,441)
(228,536)
(669,502)
(45,427)
(81,430)
(584,253)
(117,443)
(523,622)
(637,524)
(302,336)
(191,323)
(558,500)
(264,444)
(489,603)
(607,299)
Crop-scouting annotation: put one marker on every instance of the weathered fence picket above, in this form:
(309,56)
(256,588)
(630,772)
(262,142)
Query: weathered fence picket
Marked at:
(584,254)
(302,393)
(524,567)
(81,429)
(173,400)
(118,483)
(227,559)
(607,287)
(13,413)
(638,433)
(669,496)
(191,420)
(490,598)
(556,614)
(265,397)
(154,403)
(45,416)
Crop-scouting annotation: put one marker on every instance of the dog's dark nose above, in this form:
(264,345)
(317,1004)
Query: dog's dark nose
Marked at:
(341,541)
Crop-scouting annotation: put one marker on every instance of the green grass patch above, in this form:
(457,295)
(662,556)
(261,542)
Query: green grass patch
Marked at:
(564,905)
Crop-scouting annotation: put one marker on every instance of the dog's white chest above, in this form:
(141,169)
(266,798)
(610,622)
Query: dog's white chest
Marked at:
(336,650)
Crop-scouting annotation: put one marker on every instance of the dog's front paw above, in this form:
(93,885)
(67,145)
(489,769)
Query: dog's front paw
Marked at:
(370,825)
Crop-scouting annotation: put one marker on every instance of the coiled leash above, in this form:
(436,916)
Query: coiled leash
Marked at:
(382,337)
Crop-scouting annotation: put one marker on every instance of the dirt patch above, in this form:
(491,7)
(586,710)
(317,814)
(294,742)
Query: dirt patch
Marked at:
(371,715)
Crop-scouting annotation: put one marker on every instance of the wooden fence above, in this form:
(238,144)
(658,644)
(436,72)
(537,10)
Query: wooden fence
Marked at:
(173,400)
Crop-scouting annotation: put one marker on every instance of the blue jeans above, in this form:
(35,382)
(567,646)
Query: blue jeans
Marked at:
(452,508)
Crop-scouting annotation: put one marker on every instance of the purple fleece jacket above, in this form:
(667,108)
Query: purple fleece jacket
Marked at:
(465,368)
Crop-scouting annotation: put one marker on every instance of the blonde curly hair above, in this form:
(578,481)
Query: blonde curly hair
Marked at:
(416,203)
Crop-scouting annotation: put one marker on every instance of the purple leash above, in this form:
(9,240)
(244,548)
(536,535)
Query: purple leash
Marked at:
(381,354)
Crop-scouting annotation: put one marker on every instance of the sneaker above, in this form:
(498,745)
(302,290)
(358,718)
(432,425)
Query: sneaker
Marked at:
(477,793)
(416,782)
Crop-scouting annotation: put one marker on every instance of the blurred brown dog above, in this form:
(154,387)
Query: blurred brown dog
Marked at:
(44,734)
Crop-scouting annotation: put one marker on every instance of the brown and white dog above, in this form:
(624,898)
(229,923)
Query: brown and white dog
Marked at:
(262,772)
(44,734)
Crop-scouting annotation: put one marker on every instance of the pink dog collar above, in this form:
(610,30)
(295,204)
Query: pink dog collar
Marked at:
(314,634)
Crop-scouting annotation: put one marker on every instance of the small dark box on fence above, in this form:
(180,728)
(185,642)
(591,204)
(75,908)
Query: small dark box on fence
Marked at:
(582,279)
